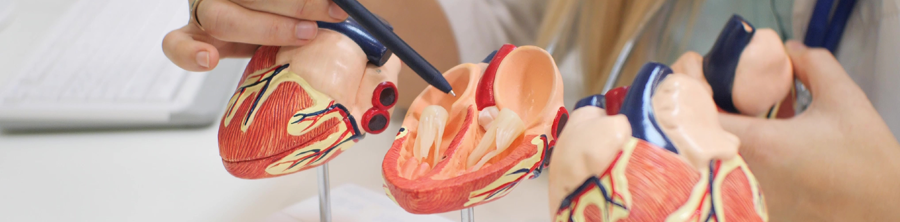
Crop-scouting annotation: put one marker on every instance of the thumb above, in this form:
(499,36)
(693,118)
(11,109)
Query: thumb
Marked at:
(741,126)
(188,53)
(752,132)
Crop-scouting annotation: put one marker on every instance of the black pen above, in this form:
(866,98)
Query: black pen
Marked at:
(376,28)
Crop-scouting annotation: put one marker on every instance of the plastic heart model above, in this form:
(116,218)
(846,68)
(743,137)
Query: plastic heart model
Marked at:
(748,69)
(666,159)
(299,107)
(458,152)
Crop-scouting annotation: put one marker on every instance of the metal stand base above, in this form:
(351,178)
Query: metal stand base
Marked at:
(467,215)
(324,193)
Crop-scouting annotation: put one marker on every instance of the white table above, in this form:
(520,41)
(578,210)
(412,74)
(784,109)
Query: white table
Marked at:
(173,174)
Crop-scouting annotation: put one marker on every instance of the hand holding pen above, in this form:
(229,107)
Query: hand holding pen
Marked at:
(207,37)
(393,42)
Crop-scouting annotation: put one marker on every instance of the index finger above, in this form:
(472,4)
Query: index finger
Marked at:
(314,10)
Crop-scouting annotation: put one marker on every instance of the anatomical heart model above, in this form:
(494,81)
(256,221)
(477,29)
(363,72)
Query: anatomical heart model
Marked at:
(748,70)
(458,152)
(299,107)
(665,159)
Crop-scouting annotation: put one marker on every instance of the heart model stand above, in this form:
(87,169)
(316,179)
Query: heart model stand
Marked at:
(467,215)
(324,193)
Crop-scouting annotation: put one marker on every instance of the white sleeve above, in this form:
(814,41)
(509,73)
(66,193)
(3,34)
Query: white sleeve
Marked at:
(482,26)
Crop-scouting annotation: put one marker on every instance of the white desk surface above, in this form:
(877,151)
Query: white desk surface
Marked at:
(169,175)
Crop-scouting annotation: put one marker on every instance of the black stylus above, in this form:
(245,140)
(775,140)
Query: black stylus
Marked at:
(376,28)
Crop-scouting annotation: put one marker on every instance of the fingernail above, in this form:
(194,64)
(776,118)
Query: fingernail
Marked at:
(306,30)
(336,12)
(203,59)
(794,46)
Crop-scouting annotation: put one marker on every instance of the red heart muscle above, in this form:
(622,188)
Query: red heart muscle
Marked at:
(276,123)
(648,183)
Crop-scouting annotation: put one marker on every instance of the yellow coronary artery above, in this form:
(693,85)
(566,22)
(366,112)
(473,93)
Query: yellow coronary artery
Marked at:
(615,183)
(699,203)
(509,178)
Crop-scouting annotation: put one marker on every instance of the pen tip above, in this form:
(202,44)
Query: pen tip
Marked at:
(452,93)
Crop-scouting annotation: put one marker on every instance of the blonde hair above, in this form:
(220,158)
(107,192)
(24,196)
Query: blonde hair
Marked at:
(642,28)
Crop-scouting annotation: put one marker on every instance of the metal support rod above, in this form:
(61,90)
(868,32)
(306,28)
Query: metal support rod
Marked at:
(620,62)
(467,215)
(324,193)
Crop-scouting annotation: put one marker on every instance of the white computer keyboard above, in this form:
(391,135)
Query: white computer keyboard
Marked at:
(6,12)
(103,62)
(87,61)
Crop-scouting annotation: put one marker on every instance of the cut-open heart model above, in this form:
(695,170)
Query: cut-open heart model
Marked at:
(666,159)
(299,107)
(458,152)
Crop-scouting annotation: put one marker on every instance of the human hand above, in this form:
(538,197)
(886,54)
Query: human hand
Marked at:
(836,161)
(235,28)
